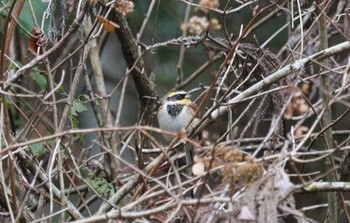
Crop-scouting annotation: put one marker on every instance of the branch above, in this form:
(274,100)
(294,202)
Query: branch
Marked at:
(144,85)
(119,214)
(327,187)
(282,73)
(327,117)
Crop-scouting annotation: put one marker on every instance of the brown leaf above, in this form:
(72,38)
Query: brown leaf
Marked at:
(109,26)
(288,113)
(36,40)
(299,132)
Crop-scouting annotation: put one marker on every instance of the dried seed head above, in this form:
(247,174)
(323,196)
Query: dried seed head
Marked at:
(124,6)
(211,4)
(197,24)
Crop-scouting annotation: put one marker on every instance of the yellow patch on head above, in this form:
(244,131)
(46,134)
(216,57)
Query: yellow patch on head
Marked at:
(172,93)
(179,96)
(186,100)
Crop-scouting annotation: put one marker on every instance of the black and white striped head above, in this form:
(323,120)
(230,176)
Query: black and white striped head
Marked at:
(179,96)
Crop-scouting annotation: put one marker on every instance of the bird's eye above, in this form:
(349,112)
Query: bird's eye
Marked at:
(178,97)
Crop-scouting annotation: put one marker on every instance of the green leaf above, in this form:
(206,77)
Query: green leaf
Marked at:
(39,79)
(75,125)
(101,186)
(38,149)
(61,88)
(78,107)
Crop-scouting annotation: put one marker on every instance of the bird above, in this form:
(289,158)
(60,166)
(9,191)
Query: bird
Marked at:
(175,114)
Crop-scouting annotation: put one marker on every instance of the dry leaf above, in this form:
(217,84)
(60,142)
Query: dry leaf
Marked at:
(288,113)
(305,88)
(36,40)
(109,26)
(299,132)
(303,108)
(299,104)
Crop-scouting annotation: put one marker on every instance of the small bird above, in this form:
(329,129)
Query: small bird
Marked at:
(175,113)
